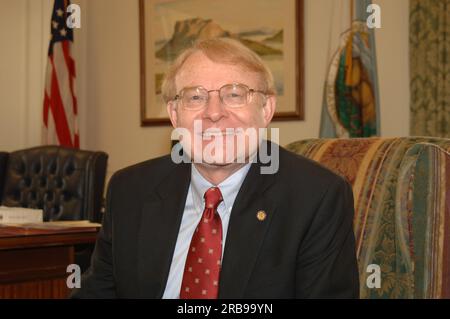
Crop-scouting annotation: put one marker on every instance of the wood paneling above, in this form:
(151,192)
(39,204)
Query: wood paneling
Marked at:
(39,289)
(34,266)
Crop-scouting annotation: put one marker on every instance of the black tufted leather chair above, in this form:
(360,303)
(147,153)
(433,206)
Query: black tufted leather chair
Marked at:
(3,161)
(66,183)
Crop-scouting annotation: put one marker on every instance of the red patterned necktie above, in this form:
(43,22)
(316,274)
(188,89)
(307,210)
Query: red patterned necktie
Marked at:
(202,268)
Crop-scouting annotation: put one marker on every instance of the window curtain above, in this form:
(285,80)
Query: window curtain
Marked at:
(429,40)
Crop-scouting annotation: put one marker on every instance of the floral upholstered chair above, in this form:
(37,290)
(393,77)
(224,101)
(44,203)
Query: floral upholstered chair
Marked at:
(401,188)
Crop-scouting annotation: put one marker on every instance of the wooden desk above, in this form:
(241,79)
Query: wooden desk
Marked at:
(33,261)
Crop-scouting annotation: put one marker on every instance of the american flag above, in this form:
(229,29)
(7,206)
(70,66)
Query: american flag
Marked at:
(60,123)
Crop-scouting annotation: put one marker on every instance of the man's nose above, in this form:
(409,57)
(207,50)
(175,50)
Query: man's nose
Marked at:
(214,109)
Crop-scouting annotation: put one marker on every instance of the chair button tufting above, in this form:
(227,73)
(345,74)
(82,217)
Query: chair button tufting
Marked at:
(52,169)
(70,168)
(59,182)
(37,168)
(48,196)
(27,181)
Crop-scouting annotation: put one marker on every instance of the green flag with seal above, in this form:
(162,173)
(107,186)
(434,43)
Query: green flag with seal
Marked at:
(350,105)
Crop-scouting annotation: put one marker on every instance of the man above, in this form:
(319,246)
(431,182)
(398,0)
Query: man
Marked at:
(217,227)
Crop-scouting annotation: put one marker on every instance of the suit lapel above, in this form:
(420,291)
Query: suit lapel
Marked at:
(246,232)
(160,222)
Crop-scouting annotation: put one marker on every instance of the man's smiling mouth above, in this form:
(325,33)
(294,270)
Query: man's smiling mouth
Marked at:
(213,133)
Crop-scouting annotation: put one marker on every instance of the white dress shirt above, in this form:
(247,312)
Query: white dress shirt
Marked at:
(193,211)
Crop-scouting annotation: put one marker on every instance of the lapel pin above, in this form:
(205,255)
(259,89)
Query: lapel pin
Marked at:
(261,215)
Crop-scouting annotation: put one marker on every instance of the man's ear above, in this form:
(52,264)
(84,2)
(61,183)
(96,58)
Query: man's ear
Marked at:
(269,108)
(172,111)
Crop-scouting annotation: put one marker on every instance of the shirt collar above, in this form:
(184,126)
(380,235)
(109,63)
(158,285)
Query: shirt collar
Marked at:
(229,189)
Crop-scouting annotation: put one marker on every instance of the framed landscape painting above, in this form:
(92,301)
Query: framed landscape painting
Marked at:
(271,28)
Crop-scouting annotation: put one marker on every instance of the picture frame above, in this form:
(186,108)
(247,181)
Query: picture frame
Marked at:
(277,38)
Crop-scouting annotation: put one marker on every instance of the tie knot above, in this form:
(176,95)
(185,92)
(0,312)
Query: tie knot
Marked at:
(212,197)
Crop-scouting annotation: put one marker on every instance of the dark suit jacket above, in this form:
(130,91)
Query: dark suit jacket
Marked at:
(305,248)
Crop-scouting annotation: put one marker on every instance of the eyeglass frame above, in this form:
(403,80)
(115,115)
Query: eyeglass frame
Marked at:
(250,91)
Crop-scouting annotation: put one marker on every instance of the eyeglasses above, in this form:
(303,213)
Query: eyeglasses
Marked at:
(232,95)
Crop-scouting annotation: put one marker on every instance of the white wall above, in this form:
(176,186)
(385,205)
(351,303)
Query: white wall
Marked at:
(24,38)
(392,41)
(24,34)
(107,56)
(113,96)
